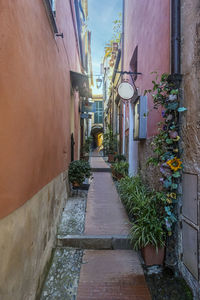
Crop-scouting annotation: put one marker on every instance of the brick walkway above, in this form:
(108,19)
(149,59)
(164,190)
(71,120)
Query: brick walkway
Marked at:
(109,274)
(105,212)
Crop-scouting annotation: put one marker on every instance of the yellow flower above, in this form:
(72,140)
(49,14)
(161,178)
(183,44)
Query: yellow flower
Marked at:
(173,195)
(176,139)
(175,164)
(169,200)
(175,150)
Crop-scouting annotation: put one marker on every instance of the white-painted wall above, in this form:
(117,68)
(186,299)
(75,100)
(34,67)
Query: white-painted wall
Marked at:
(124,125)
(133,145)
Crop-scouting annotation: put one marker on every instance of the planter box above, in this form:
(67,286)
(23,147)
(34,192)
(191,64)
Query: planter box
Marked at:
(152,257)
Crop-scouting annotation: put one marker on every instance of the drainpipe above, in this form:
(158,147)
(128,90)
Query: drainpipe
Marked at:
(176,78)
(175,38)
(122,67)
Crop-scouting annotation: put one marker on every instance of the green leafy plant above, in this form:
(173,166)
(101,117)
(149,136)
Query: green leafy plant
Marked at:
(120,169)
(87,144)
(147,210)
(109,141)
(78,171)
(148,228)
(119,157)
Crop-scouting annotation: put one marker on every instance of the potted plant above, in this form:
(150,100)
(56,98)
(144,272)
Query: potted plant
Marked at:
(146,209)
(79,170)
(119,157)
(148,231)
(119,169)
(110,144)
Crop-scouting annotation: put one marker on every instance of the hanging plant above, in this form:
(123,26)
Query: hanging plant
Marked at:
(165,144)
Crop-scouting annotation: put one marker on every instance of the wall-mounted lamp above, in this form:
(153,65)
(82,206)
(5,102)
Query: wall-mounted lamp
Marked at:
(98,82)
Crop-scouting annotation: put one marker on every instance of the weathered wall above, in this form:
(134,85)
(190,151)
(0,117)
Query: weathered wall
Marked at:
(26,239)
(190,68)
(35,98)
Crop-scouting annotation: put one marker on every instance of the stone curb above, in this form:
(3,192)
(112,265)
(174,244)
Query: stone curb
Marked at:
(95,242)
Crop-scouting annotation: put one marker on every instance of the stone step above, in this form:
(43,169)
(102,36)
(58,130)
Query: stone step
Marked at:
(95,242)
(101,169)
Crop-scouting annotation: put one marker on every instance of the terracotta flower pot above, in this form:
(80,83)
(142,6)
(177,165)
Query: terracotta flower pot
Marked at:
(76,184)
(111,157)
(151,256)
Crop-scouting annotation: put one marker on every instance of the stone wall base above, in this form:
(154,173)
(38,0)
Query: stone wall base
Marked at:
(27,237)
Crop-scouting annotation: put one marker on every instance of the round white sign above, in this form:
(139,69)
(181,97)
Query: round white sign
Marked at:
(125,90)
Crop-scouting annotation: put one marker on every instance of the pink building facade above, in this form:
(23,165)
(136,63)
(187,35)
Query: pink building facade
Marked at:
(40,45)
(147,32)
(152,34)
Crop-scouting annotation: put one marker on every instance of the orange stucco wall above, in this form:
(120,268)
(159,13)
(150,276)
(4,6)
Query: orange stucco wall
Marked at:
(147,25)
(34,98)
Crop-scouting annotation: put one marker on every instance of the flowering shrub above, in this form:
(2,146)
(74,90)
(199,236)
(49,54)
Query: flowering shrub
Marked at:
(165,144)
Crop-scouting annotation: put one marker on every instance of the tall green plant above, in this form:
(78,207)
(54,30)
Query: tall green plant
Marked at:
(120,169)
(146,207)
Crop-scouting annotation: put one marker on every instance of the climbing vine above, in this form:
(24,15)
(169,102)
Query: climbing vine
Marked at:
(117,29)
(165,147)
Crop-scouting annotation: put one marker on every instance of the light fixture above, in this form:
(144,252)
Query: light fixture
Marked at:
(98,82)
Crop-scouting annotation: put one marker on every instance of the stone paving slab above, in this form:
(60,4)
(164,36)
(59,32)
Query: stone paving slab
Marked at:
(98,162)
(105,214)
(112,275)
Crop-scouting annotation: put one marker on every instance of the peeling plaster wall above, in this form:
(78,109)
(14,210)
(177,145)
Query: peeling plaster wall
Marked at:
(190,121)
(26,239)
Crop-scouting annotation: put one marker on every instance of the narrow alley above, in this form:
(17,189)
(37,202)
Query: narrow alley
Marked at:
(100,164)
(109,268)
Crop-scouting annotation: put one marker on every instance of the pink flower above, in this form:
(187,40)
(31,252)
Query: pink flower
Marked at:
(173,134)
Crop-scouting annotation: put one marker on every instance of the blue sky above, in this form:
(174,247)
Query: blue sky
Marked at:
(101,14)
